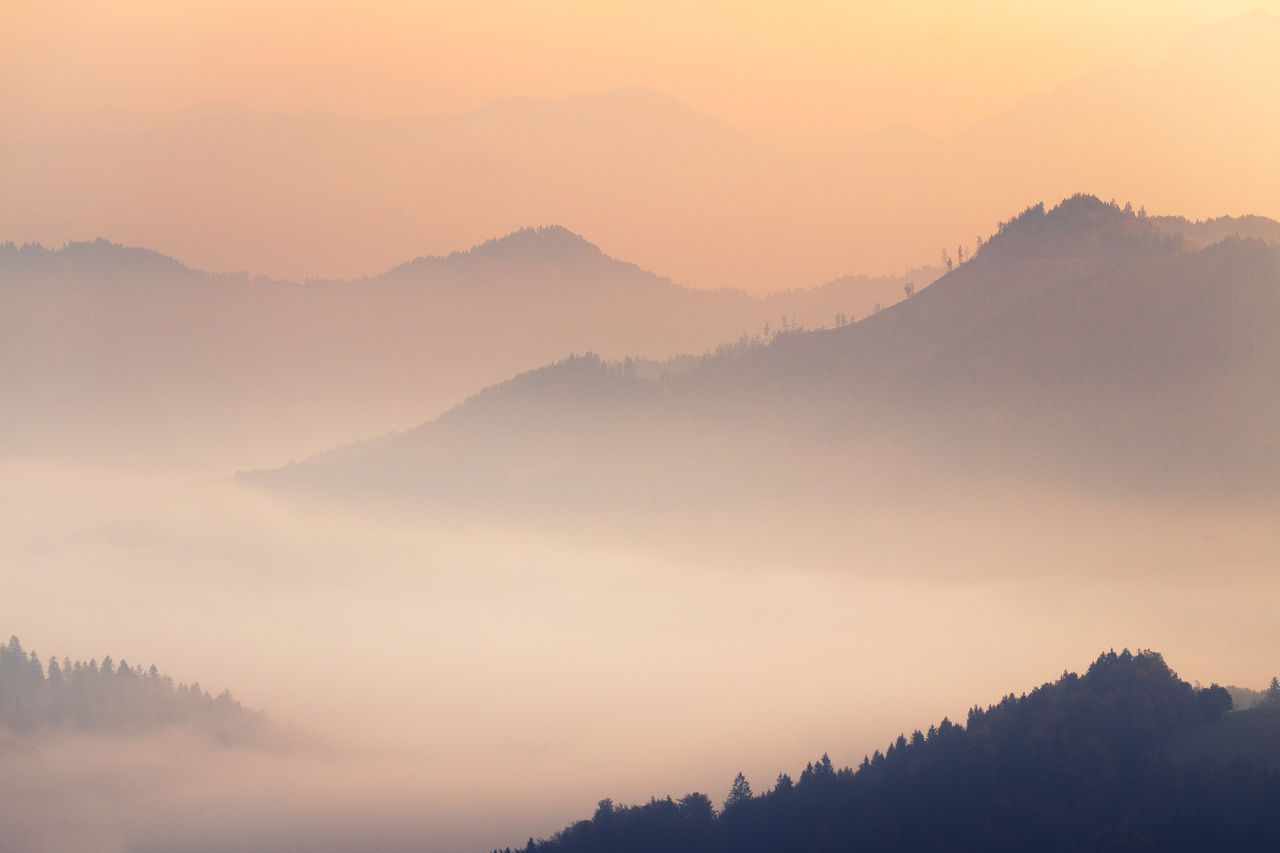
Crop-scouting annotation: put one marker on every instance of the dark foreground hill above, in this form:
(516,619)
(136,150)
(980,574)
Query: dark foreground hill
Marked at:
(1086,346)
(1124,757)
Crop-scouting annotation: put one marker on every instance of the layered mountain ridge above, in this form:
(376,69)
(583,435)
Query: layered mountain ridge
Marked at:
(129,352)
(1085,345)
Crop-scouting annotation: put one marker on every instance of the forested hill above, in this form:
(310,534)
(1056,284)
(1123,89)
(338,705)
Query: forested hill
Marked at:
(116,698)
(1090,762)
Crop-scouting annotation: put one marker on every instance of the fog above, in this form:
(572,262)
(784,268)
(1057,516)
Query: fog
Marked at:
(464,684)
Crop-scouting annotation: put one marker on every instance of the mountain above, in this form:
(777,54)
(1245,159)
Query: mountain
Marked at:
(347,196)
(1108,760)
(652,179)
(129,354)
(1086,347)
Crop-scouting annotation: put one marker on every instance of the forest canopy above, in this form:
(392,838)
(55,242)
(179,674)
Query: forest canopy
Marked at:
(109,697)
(1087,762)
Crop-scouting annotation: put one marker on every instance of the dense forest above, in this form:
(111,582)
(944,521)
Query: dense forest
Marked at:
(1089,762)
(110,697)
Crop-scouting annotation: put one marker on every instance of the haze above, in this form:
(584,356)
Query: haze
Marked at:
(527,404)
(482,683)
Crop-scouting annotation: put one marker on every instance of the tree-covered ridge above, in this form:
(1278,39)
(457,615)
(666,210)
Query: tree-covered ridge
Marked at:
(1083,763)
(1245,697)
(110,697)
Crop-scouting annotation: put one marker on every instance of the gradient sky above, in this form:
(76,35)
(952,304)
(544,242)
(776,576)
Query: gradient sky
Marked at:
(792,73)
(633,674)
(796,188)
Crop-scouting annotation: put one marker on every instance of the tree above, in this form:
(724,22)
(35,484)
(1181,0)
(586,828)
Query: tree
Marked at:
(910,289)
(1272,696)
(739,792)
(697,808)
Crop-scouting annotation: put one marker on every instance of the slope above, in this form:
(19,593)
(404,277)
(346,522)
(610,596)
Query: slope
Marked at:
(1081,346)
(1084,763)
(120,353)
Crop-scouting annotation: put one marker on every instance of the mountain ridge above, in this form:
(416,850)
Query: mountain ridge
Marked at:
(1064,343)
(108,347)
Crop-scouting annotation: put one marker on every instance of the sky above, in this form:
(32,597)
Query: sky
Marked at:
(789,144)
(792,73)
(517,675)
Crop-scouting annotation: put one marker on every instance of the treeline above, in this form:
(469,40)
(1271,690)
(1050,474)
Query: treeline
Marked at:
(1084,763)
(112,697)
(1244,697)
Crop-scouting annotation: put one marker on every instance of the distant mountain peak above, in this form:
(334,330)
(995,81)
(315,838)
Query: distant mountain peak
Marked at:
(100,254)
(1075,216)
(545,242)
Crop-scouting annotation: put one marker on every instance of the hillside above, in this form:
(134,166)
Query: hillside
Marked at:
(1088,762)
(1085,346)
(1251,734)
(126,354)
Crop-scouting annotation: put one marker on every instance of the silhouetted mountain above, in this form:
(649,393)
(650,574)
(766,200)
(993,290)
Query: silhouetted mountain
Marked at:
(106,697)
(1085,346)
(1124,757)
(123,352)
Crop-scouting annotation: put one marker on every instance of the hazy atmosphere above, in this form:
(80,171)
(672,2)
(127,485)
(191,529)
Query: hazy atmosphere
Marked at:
(497,409)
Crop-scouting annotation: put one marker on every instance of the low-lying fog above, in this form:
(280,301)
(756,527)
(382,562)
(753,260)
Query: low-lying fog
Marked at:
(469,685)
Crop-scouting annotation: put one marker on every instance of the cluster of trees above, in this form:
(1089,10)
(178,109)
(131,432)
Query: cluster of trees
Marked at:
(111,697)
(1084,763)
(1244,697)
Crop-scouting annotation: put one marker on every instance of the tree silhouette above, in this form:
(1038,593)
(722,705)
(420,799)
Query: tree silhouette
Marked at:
(1085,763)
(739,792)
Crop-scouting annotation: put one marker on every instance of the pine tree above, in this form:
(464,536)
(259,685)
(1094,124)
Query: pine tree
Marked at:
(739,792)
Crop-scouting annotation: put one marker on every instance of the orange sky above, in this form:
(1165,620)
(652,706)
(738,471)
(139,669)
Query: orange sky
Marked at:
(790,72)
(801,77)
